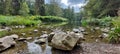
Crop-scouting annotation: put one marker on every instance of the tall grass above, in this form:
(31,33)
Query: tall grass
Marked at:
(115,35)
(17,20)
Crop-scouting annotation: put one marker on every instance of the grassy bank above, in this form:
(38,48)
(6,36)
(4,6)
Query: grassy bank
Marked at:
(28,20)
(50,18)
(17,20)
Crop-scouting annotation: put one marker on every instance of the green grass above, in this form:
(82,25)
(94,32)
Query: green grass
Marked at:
(17,20)
(3,33)
(28,20)
(115,35)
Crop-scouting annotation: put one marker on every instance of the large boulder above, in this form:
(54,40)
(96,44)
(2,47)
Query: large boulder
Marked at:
(7,42)
(65,41)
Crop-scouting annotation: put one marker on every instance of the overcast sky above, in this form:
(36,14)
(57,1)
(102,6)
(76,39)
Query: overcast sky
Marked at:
(73,3)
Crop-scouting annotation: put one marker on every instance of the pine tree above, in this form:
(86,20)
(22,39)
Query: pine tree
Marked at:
(2,6)
(40,7)
(15,7)
(54,8)
(7,7)
(24,10)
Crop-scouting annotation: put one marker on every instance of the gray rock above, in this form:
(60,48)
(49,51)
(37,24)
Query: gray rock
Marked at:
(44,36)
(44,32)
(15,36)
(103,35)
(40,41)
(112,29)
(35,31)
(65,41)
(85,33)
(97,28)
(28,38)
(105,30)
(50,36)
(82,29)
(23,34)
(6,42)
(22,39)
(76,30)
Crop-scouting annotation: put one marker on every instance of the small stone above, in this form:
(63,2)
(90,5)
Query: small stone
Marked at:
(40,41)
(76,30)
(23,34)
(35,31)
(29,38)
(85,33)
(44,36)
(44,32)
(82,29)
(22,39)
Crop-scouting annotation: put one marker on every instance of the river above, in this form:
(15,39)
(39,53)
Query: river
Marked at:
(89,46)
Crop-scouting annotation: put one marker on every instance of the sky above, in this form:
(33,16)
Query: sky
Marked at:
(77,4)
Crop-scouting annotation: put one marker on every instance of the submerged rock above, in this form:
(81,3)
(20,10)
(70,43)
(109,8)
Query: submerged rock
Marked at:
(65,41)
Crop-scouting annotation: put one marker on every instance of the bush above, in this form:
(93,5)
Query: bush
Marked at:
(105,21)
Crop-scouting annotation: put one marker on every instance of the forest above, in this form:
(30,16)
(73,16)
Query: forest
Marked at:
(59,26)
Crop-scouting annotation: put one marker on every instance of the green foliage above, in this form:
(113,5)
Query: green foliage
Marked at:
(24,10)
(115,35)
(17,20)
(84,23)
(101,8)
(7,7)
(39,7)
(69,13)
(50,19)
(3,33)
(54,9)
(105,21)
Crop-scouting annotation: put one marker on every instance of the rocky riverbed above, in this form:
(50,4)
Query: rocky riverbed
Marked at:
(93,41)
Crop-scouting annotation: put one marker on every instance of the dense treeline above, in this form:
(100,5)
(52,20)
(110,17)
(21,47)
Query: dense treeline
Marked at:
(35,7)
(101,8)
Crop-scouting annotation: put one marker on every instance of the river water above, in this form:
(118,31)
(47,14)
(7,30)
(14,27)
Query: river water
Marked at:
(29,47)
